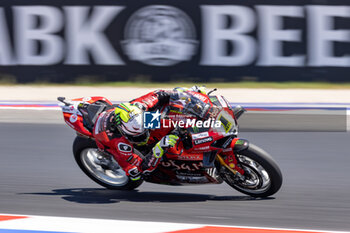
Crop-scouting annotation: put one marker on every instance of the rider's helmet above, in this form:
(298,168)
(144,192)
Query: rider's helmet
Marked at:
(129,120)
(201,89)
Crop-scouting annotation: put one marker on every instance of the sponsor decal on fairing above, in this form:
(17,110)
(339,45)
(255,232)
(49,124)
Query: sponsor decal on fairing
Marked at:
(227,143)
(189,157)
(204,140)
(73,118)
(124,147)
(200,135)
(188,166)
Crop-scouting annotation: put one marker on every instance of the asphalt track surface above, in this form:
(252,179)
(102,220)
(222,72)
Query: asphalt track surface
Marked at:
(38,176)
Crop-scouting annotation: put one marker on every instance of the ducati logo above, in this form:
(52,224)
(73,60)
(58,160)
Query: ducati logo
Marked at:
(124,147)
(160,36)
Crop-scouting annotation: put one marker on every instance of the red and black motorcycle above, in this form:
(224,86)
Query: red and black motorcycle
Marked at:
(208,152)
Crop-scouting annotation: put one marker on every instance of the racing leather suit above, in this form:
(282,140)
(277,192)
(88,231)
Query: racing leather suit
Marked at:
(109,139)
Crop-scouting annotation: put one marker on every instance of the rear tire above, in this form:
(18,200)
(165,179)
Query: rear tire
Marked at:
(106,178)
(264,178)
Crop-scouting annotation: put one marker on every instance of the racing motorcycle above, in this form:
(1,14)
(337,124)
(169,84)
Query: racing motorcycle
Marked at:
(208,150)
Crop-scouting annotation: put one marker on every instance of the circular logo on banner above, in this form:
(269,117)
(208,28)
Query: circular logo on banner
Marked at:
(160,35)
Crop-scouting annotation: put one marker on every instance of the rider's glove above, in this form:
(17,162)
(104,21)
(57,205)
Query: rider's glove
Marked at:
(166,142)
(163,97)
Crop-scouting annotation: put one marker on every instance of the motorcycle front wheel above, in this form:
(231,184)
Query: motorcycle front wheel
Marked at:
(86,155)
(262,176)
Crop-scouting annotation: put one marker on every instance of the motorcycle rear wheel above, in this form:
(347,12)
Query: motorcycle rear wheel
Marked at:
(263,177)
(85,154)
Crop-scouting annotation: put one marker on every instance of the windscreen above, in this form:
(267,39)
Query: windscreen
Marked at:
(184,102)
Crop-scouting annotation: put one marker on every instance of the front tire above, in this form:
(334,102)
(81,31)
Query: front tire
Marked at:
(85,154)
(262,175)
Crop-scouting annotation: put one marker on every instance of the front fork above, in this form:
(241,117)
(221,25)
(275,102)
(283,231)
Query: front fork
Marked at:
(228,159)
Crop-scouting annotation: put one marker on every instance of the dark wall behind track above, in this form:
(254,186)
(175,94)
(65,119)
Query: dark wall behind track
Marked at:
(163,40)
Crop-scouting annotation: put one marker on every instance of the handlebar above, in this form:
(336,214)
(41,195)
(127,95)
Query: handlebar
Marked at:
(238,111)
(62,100)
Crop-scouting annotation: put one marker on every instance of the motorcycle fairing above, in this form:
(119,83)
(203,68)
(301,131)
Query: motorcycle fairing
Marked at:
(180,172)
(75,117)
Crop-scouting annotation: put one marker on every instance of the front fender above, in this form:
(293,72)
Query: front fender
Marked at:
(239,144)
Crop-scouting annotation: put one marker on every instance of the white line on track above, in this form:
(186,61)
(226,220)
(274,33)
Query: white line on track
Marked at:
(30,108)
(89,225)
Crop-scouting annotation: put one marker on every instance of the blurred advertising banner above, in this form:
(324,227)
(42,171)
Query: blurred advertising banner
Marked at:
(301,40)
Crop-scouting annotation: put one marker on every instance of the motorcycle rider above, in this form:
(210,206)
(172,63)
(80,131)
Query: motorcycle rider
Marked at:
(118,130)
